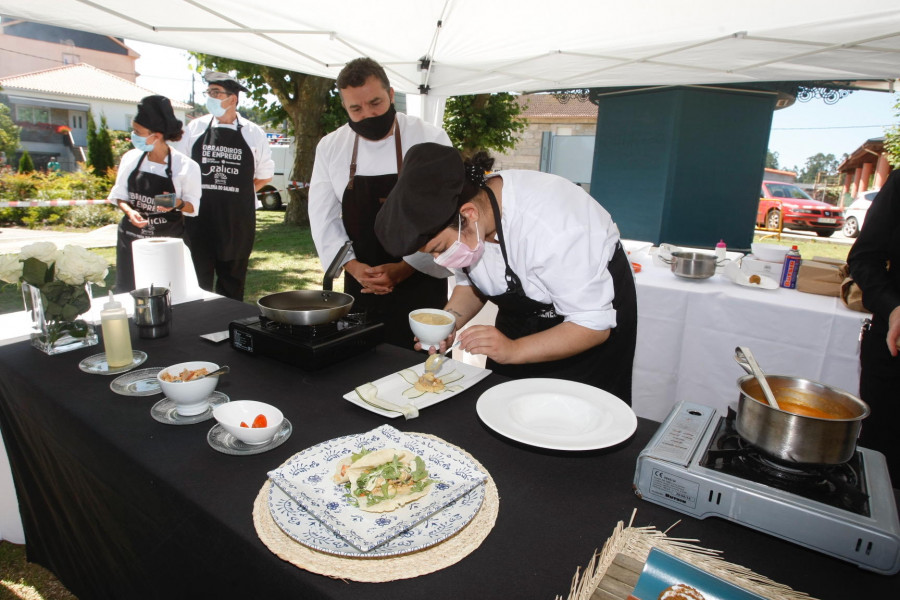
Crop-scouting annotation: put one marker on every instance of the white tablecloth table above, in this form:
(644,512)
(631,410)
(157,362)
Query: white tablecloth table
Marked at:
(688,330)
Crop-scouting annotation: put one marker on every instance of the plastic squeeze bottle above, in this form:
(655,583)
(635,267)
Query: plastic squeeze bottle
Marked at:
(116,334)
(721,248)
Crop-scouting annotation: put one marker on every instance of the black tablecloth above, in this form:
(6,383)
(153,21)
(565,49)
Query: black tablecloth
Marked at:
(121,506)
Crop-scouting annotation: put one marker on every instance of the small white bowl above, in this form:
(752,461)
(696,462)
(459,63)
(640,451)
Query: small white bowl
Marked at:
(431,335)
(769,252)
(190,397)
(231,414)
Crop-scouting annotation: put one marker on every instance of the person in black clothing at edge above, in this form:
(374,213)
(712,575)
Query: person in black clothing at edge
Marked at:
(536,245)
(874,264)
(235,161)
(356,166)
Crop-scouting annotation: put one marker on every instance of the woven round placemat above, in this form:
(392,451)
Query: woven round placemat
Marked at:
(374,570)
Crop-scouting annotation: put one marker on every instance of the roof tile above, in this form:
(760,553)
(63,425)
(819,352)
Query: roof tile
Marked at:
(81,81)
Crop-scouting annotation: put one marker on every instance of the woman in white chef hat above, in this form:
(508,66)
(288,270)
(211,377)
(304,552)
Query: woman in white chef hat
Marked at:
(536,245)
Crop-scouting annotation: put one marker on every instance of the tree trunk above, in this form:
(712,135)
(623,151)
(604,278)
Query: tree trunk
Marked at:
(305,99)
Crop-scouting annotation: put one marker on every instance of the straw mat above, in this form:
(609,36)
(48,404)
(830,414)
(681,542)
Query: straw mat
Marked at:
(374,570)
(610,573)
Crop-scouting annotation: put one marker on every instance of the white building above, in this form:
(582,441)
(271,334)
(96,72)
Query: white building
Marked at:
(51,106)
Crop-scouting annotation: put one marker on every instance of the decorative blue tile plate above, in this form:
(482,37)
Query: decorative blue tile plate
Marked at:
(307,479)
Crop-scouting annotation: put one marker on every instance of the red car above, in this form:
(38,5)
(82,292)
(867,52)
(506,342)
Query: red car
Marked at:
(786,205)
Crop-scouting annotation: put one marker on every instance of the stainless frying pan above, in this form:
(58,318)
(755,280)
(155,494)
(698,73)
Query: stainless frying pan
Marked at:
(309,307)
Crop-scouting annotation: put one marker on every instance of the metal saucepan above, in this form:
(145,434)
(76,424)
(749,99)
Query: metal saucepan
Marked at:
(692,265)
(309,307)
(815,424)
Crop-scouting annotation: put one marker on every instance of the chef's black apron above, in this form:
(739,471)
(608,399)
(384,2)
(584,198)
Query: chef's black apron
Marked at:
(221,235)
(879,381)
(362,199)
(607,366)
(142,187)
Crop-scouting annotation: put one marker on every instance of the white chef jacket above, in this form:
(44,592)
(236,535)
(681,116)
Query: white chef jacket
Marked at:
(559,241)
(264,166)
(331,173)
(185,175)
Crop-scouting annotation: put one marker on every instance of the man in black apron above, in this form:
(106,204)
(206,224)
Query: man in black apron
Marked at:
(221,237)
(383,287)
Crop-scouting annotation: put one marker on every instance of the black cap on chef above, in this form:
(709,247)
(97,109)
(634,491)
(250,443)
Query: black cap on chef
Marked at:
(225,80)
(156,114)
(424,200)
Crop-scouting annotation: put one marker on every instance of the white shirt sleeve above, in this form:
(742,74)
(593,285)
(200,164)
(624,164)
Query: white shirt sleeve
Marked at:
(187,181)
(325,222)
(264,166)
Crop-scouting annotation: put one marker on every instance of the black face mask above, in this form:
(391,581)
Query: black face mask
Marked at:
(375,128)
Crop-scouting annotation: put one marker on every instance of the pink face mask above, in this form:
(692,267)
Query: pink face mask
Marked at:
(459,255)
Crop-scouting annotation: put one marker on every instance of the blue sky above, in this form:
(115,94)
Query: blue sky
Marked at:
(798,132)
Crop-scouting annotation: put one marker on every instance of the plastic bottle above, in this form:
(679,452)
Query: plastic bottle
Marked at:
(720,250)
(116,334)
(791,268)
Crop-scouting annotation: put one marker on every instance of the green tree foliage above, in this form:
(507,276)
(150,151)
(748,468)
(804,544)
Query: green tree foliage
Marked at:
(9,132)
(772,160)
(483,122)
(99,149)
(816,164)
(26,165)
(892,140)
(302,100)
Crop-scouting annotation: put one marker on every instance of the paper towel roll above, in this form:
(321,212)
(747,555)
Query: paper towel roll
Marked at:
(164,261)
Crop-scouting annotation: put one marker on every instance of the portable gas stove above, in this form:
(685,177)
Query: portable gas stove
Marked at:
(697,464)
(306,346)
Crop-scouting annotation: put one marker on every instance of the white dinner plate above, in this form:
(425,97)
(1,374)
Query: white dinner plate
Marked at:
(557,414)
(765,283)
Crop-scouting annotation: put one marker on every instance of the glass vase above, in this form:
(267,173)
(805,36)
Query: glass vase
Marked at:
(54,336)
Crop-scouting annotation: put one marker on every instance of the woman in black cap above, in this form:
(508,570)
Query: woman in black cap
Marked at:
(536,245)
(156,186)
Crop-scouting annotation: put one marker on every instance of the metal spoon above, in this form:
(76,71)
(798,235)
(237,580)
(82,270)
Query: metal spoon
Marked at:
(219,371)
(433,363)
(745,358)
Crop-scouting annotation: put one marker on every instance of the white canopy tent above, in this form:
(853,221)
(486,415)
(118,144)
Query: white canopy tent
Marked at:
(454,47)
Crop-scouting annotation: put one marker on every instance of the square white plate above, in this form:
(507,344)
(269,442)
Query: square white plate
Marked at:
(391,388)
(307,479)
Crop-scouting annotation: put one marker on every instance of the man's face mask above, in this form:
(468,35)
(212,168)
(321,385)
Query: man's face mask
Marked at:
(375,128)
(459,255)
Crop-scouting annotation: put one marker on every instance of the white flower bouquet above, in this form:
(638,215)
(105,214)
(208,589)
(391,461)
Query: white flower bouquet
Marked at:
(61,278)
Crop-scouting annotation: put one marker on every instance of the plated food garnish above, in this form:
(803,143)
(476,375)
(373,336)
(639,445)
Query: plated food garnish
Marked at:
(185,375)
(383,480)
(258,422)
(429,383)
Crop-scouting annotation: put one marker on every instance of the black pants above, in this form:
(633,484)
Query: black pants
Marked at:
(229,275)
(879,387)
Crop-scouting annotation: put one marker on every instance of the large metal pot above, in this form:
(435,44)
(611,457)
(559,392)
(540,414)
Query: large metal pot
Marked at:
(800,438)
(692,265)
(309,307)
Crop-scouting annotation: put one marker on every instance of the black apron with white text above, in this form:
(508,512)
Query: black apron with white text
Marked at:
(142,187)
(225,225)
(607,366)
(362,199)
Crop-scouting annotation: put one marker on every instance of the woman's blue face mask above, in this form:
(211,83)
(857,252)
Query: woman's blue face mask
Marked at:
(140,142)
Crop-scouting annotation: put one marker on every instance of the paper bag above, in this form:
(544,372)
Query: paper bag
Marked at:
(819,278)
